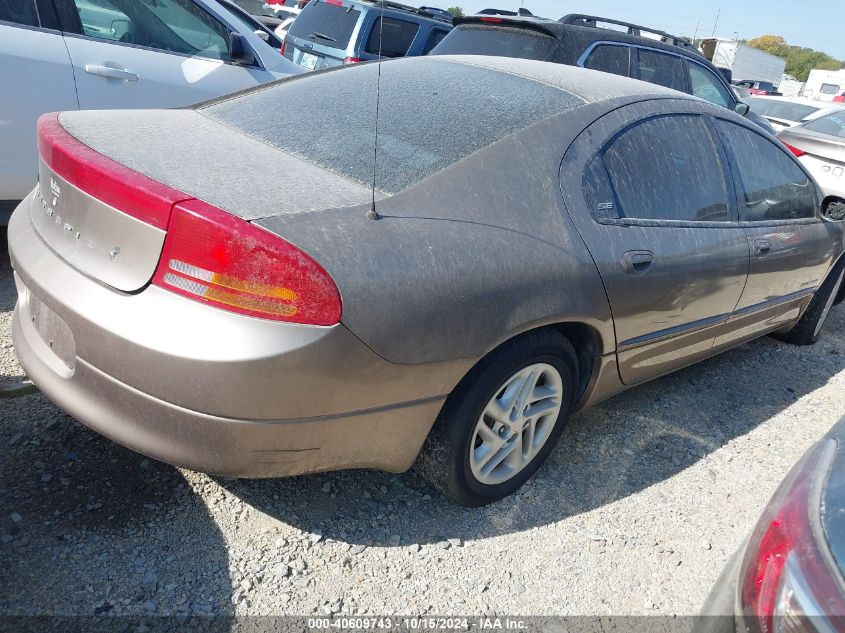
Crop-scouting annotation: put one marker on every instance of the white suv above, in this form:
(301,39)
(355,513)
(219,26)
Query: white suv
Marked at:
(99,54)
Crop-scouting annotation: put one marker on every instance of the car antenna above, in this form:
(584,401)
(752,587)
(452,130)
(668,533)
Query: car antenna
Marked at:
(372,214)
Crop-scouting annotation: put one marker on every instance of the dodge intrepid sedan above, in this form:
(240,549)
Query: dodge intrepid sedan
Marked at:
(442,281)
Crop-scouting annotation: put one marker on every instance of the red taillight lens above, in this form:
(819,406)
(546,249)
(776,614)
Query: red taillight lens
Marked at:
(133,193)
(798,152)
(218,259)
(283,47)
(492,20)
(352,60)
(787,573)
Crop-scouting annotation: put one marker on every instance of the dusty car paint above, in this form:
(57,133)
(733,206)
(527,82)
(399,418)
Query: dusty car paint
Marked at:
(502,241)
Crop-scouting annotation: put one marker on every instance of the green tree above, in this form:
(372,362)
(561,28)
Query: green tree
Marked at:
(456,12)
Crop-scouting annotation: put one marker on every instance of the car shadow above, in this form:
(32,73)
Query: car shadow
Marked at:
(78,507)
(74,503)
(614,450)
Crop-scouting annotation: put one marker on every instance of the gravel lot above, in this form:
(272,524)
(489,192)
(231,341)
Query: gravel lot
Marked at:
(636,511)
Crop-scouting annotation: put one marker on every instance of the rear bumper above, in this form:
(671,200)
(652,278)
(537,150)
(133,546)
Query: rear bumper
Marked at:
(203,389)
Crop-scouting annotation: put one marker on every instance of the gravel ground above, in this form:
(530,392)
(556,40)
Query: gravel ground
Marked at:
(635,512)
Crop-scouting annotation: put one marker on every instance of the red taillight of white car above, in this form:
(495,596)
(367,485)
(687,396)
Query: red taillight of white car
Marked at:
(209,255)
(789,581)
(212,256)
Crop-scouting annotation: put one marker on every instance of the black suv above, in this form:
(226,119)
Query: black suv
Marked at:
(593,42)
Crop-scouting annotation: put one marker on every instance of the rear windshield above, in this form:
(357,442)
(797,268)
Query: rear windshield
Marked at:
(326,24)
(496,40)
(432,113)
(832,124)
(780,109)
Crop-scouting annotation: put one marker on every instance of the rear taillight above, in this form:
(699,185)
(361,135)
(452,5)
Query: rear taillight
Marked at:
(133,193)
(283,48)
(213,257)
(492,20)
(352,60)
(797,152)
(789,582)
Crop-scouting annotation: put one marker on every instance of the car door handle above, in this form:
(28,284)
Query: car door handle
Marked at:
(110,73)
(637,262)
(762,247)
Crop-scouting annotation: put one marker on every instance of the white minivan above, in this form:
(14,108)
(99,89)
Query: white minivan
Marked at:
(100,54)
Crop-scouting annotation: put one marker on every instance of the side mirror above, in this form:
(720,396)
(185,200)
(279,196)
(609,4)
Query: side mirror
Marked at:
(834,211)
(264,35)
(239,51)
(742,108)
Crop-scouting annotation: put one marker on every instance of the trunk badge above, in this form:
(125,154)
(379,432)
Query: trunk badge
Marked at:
(114,252)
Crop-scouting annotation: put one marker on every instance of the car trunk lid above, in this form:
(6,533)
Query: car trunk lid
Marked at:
(109,181)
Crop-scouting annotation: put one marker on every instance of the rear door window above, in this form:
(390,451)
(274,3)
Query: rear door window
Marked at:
(610,59)
(660,68)
(326,24)
(668,168)
(19,12)
(179,26)
(496,40)
(770,185)
(391,36)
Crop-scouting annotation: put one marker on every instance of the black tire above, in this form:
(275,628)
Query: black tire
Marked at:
(444,460)
(808,328)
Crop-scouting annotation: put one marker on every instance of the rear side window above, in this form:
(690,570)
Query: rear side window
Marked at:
(705,85)
(770,184)
(667,168)
(394,36)
(609,59)
(829,89)
(179,26)
(432,113)
(19,12)
(326,24)
(661,69)
(434,39)
(495,40)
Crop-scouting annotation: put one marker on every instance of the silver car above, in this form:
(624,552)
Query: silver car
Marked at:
(820,146)
(507,242)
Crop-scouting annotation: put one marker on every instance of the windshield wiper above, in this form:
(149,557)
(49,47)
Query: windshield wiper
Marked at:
(322,36)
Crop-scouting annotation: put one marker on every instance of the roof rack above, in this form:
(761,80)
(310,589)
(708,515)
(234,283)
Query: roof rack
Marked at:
(422,11)
(579,19)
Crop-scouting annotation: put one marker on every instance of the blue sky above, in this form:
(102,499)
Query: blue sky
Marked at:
(818,24)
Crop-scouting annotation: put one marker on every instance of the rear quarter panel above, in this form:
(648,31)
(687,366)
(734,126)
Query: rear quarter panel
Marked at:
(465,259)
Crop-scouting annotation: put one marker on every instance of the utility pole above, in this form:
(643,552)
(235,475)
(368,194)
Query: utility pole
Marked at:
(716,23)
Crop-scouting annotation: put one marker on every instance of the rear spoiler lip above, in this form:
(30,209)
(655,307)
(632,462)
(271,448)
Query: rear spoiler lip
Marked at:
(504,20)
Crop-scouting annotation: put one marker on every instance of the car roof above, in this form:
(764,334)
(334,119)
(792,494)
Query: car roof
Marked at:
(406,10)
(588,27)
(591,85)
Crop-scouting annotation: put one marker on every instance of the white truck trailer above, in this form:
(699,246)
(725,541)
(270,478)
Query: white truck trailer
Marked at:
(744,62)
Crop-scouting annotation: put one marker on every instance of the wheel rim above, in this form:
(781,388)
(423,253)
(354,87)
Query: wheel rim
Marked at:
(828,305)
(516,423)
